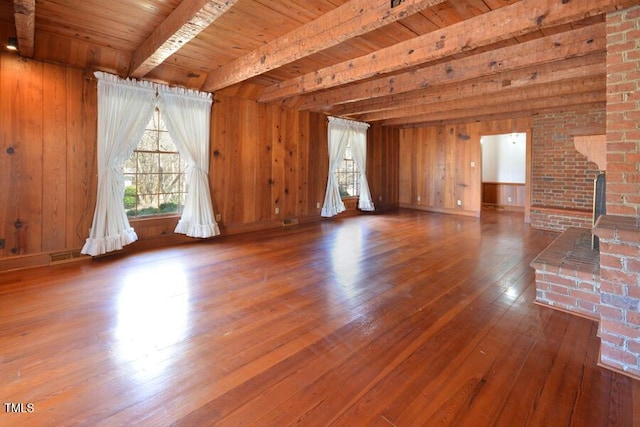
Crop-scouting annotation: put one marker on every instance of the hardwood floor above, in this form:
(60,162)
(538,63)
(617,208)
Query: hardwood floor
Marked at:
(403,318)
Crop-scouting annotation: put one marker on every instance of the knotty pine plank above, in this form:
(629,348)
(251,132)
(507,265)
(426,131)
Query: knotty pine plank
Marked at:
(264,165)
(404,318)
(289,133)
(54,158)
(25,97)
(304,206)
(218,156)
(5,159)
(278,122)
(81,177)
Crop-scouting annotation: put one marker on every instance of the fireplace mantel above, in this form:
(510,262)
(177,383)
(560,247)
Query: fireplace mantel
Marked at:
(594,147)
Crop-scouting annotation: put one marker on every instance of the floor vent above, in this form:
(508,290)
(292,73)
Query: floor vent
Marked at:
(67,256)
(290,221)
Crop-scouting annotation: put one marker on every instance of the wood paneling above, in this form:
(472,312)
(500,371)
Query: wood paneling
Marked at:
(263,157)
(503,194)
(48,130)
(383,162)
(436,165)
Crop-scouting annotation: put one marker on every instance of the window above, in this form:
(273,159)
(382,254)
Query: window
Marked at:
(154,175)
(348,175)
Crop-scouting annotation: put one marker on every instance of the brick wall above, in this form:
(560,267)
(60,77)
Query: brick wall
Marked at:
(620,293)
(568,274)
(623,112)
(561,177)
(559,219)
(619,230)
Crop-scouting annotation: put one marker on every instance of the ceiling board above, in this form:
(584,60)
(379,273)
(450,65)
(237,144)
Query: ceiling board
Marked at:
(101,35)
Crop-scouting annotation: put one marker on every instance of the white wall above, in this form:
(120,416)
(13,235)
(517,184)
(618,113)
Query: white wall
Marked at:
(504,158)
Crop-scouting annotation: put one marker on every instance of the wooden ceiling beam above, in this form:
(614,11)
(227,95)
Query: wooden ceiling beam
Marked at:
(557,47)
(470,117)
(24,12)
(518,19)
(593,67)
(554,95)
(182,25)
(350,20)
(482,101)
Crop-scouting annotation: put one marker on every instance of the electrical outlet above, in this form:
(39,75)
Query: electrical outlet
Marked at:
(379,198)
(459,202)
(218,217)
(509,199)
(318,205)
(418,198)
(277,211)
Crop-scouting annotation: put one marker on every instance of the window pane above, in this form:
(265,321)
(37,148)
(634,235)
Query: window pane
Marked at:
(148,162)
(170,203)
(169,163)
(148,204)
(166,143)
(154,122)
(160,125)
(148,142)
(171,183)
(154,181)
(130,164)
(147,184)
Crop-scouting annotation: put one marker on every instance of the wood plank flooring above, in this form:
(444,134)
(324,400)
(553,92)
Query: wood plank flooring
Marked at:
(395,319)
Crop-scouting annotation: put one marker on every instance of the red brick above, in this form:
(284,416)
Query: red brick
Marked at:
(633,318)
(633,292)
(619,277)
(561,299)
(624,358)
(588,287)
(585,296)
(633,266)
(611,261)
(587,308)
(612,313)
(622,329)
(610,287)
(620,249)
(613,339)
(633,347)
(562,290)
(630,236)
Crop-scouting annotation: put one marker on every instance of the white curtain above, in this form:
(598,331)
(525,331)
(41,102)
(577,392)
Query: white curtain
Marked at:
(359,152)
(187,114)
(124,109)
(340,132)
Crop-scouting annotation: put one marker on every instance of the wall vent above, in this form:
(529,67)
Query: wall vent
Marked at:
(290,221)
(66,256)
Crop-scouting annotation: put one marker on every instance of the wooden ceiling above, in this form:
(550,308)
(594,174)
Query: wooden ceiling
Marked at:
(421,63)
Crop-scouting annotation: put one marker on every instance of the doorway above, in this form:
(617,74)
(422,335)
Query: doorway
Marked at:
(505,172)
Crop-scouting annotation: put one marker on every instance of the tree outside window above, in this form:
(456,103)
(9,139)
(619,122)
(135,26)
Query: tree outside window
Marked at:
(154,175)
(348,175)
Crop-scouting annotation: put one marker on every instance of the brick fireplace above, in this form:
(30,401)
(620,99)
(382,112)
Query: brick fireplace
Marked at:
(570,276)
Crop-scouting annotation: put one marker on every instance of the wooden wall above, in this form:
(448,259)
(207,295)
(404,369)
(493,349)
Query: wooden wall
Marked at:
(47,156)
(263,157)
(436,165)
(507,195)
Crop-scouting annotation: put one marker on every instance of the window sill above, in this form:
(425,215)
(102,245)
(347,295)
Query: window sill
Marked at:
(153,218)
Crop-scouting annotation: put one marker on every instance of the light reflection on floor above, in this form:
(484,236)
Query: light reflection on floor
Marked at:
(152,316)
(346,254)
